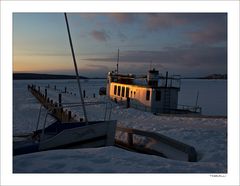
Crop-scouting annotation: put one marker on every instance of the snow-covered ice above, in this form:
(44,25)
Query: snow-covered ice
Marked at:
(207,135)
(106,160)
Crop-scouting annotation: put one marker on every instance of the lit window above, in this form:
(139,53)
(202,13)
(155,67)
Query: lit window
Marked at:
(119,90)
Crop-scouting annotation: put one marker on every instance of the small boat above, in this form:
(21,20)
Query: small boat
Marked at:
(68,135)
(61,134)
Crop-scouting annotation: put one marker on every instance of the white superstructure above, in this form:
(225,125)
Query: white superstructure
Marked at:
(154,93)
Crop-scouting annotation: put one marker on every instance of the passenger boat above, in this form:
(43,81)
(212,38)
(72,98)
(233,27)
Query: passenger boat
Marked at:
(154,93)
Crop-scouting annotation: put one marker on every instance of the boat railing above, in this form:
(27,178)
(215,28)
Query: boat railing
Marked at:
(172,81)
(193,109)
(182,109)
(58,112)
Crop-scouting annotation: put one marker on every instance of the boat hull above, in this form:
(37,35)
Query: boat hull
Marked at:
(69,135)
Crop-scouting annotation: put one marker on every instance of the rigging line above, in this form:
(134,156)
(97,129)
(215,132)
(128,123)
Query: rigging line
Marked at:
(76,70)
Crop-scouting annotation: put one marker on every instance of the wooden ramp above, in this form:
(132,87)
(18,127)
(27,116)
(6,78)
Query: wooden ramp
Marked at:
(160,145)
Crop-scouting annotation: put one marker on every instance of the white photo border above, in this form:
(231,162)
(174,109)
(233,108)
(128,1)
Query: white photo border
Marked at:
(10,7)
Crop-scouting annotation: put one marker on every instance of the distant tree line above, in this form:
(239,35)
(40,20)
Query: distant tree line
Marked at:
(22,76)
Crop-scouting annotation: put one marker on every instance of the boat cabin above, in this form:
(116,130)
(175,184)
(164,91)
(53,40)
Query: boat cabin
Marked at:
(152,93)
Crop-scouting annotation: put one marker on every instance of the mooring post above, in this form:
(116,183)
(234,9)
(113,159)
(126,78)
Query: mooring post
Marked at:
(84,93)
(60,100)
(128,102)
(65,90)
(38,89)
(61,113)
(69,115)
(55,87)
(94,95)
(45,93)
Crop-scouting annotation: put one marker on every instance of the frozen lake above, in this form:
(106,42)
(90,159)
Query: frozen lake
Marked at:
(212,93)
(207,135)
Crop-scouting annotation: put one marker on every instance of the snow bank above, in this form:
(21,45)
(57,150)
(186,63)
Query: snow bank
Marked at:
(105,160)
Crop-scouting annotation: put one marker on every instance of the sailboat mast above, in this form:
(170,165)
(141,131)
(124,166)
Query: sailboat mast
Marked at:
(76,70)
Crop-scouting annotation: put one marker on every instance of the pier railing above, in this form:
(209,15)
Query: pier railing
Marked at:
(182,109)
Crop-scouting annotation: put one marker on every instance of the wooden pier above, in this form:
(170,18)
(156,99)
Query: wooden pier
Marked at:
(55,107)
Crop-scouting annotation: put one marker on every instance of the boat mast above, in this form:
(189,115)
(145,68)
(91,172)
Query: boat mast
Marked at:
(117,60)
(76,69)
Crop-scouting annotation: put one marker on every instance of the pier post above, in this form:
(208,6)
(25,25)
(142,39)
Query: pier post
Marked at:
(84,93)
(69,115)
(128,102)
(60,99)
(45,93)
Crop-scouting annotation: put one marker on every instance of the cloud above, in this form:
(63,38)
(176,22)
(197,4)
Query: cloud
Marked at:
(211,34)
(199,27)
(122,36)
(164,20)
(100,35)
(122,17)
(192,59)
(207,26)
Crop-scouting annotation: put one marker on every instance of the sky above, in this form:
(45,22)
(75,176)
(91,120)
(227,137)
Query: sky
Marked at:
(186,44)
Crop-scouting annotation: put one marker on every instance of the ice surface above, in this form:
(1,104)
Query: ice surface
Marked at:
(207,135)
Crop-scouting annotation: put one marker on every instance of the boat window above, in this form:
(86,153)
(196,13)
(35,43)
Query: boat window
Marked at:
(119,90)
(148,95)
(127,92)
(123,91)
(115,89)
(158,95)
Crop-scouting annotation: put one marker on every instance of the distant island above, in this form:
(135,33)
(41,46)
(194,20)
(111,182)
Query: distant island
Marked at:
(22,76)
(211,76)
(216,76)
